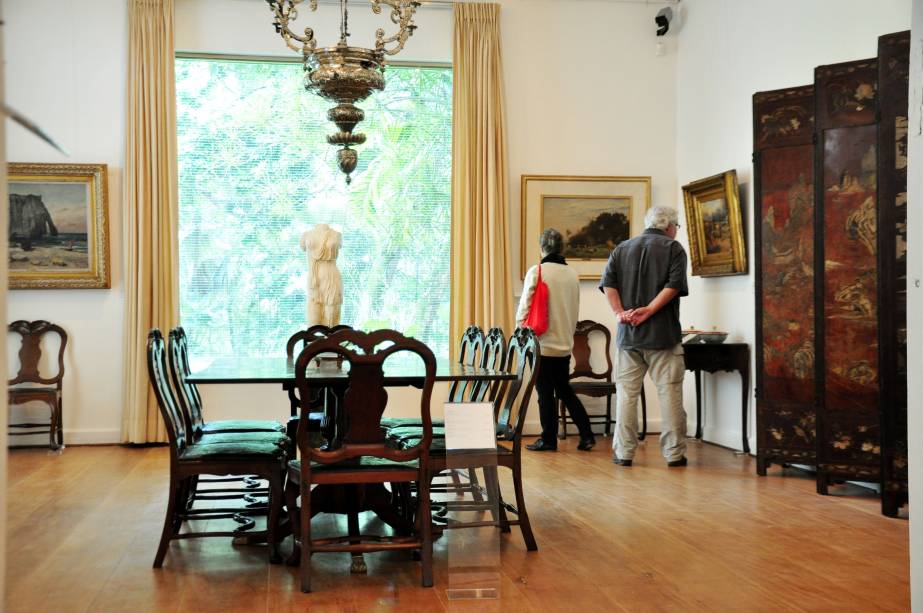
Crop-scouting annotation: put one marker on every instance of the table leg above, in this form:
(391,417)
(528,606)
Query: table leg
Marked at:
(744,383)
(698,404)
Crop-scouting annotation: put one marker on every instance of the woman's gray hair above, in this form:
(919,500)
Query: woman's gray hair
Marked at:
(660,217)
(551,242)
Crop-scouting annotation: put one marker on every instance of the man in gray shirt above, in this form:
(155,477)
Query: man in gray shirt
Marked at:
(643,282)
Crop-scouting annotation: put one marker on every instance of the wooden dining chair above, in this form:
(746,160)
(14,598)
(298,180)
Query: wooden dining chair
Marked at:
(469,352)
(243,487)
(522,358)
(298,341)
(360,458)
(190,459)
(190,401)
(29,385)
(586,381)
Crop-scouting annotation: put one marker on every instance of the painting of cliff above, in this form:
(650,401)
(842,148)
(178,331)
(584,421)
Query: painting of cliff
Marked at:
(57,226)
(48,226)
(591,225)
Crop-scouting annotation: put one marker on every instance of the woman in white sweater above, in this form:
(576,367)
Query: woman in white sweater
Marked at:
(553,380)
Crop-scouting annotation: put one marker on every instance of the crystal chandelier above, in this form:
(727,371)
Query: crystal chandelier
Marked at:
(345,74)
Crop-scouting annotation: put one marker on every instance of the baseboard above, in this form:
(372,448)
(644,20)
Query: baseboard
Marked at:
(71,437)
(533,427)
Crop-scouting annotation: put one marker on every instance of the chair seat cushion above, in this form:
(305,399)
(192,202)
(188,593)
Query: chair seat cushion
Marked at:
(589,388)
(242,425)
(234,450)
(403,433)
(277,438)
(397,422)
(363,463)
(437,447)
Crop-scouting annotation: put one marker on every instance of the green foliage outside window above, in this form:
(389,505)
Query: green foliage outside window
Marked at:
(255,172)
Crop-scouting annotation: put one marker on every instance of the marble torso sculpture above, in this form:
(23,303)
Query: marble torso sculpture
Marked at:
(325,286)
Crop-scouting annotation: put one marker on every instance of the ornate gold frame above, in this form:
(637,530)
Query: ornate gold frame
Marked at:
(694,194)
(534,188)
(95,177)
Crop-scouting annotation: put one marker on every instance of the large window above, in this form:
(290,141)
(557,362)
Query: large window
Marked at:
(255,172)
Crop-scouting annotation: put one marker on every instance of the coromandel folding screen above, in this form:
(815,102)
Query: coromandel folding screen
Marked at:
(831,284)
(893,86)
(783,159)
(846,272)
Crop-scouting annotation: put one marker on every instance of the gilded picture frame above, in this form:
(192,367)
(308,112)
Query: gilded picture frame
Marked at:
(59,230)
(715,226)
(593,213)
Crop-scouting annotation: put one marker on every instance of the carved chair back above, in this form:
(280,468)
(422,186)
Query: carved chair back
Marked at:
(581,351)
(190,402)
(30,352)
(522,358)
(170,409)
(364,399)
(306,337)
(493,356)
(469,352)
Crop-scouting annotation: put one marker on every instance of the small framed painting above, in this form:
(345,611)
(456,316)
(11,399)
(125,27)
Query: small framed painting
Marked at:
(58,233)
(593,214)
(713,216)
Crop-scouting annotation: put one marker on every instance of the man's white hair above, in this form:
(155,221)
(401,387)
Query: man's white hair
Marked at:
(660,217)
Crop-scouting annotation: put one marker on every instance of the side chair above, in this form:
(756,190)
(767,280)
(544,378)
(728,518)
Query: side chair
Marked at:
(29,385)
(522,358)
(190,459)
(361,460)
(595,383)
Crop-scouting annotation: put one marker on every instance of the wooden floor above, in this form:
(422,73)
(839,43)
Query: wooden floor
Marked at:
(83,528)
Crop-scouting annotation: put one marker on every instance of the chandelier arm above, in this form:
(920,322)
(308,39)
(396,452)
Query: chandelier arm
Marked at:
(285,11)
(402,12)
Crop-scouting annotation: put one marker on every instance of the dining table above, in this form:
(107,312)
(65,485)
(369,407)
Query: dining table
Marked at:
(329,372)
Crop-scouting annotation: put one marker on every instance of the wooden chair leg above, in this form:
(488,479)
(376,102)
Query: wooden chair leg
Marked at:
(275,508)
(492,483)
(643,434)
(524,524)
(608,415)
(305,571)
(168,523)
(426,527)
(562,417)
(474,484)
(60,420)
(52,425)
(291,501)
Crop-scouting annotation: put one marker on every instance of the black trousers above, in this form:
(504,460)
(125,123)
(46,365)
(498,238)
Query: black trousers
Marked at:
(553,383)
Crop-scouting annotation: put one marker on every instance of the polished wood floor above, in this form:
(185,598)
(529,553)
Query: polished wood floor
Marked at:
(83,528)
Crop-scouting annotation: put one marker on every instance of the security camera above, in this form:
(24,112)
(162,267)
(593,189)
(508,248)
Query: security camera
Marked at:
(663,19)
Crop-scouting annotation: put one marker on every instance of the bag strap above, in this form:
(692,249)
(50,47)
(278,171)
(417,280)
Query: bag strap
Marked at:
(537,283)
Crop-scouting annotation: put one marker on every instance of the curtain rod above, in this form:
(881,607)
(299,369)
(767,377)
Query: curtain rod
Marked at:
(449,3)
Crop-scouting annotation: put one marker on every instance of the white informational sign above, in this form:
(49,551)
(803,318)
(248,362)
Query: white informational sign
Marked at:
(469,425)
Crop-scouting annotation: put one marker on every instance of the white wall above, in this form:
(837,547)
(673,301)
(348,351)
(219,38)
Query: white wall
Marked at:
(729,50)
(598,119)
(71,81)
(915,304)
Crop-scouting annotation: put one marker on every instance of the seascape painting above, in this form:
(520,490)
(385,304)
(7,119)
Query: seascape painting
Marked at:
(58,226)
(49,224)
(592,226)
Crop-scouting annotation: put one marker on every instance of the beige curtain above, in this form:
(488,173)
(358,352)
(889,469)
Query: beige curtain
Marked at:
(481,283)
(150,208)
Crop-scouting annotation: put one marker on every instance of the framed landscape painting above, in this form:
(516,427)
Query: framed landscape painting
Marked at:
(58,233)
(594,214)
(713,216)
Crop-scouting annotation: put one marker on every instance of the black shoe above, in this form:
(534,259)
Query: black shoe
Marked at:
(586,443)
(620,462)
(680,462)
(541,445)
